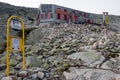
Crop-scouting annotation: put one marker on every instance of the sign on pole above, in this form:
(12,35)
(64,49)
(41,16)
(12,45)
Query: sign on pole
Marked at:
(14,43)
(105,23)
(105,19)
(15,24)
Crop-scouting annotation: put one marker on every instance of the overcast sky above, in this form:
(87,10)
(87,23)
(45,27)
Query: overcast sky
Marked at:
(93,6)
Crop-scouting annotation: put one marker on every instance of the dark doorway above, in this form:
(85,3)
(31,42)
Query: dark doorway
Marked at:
(65,17)
(58,16)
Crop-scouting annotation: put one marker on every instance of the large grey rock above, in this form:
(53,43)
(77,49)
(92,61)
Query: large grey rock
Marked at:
(91,40)
(117,77)
(36,73)
(99,44)
(23,74)
(2,66)
(36,35)
(2,75)
(89,74)
(6,78)
(14,77)
(40,75)
(13,61)
(18,66)
(32,61)
(2,44)
(28,48)
(34,76)
(69,76)
(95,45)
(91,59)
(86,48)
(3,60)
(110,64)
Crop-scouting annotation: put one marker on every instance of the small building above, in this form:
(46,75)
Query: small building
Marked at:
(50,13)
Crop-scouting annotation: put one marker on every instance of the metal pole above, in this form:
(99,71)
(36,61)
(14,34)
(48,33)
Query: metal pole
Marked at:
(105,23)
(23,56)
(7,49)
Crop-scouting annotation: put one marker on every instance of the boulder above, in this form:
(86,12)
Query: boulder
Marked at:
(89,74)
(95,45)
(6,78)
(36,35)
(40,75)
(2,75)
(69,76)
(23,74)
(91,59)
(18,66)
(2,45)
(86,48)
(14,77)
(117,77)
(64,45)
(32,61)
(2,66)
(34,76)
(13,61)
(35,48)
(3,60)
(101,43)
(91,40)
(110,64)
(28,48)
(66,49)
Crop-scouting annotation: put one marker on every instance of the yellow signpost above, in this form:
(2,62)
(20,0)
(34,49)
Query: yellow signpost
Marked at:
(15,43)
(105,18)
(107,21)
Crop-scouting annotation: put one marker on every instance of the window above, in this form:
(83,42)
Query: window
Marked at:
(46,15)
(65,17)
(58,16)
(42,16)
(43,8)
(49,8)
(65,10)
(58,9)
(51,15)
(46,8)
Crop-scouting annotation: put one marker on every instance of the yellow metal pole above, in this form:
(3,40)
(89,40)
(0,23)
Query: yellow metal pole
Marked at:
(107,21)
(7,49)
(23,56)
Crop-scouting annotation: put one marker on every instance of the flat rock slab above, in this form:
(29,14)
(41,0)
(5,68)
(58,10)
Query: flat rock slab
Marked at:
(90,74)
(89,58)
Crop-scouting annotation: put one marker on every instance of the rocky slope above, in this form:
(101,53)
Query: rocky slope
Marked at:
(68,52)
(65,52)
(7,10)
